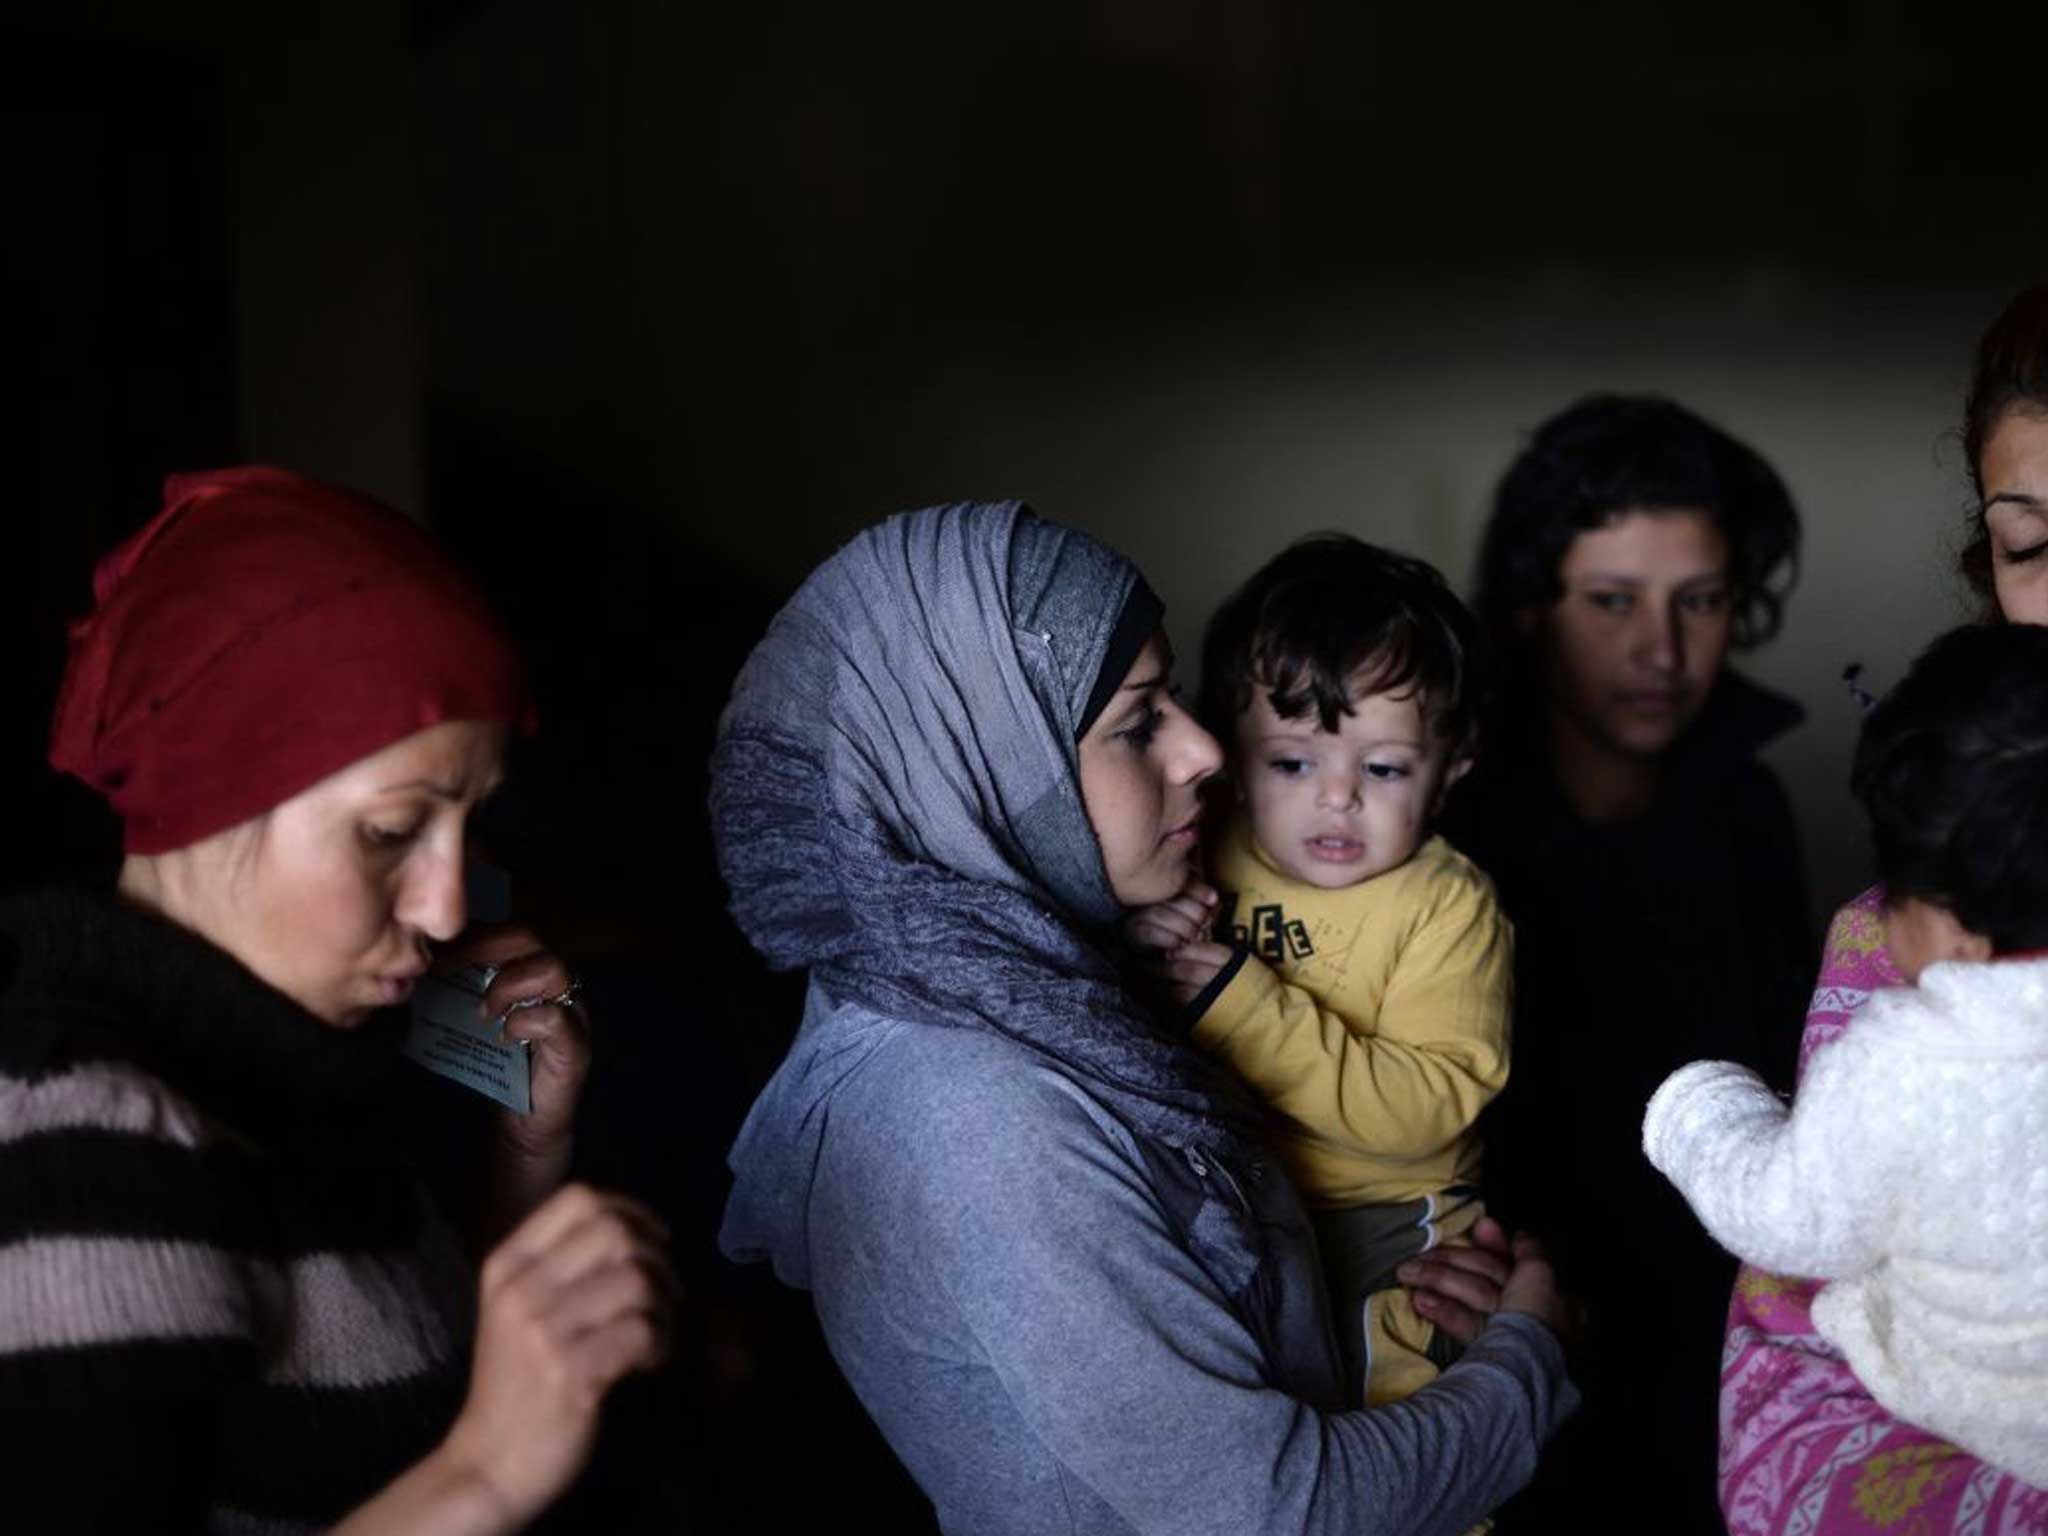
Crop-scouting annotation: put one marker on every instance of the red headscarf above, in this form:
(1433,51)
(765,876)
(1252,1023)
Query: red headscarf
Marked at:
(262,632)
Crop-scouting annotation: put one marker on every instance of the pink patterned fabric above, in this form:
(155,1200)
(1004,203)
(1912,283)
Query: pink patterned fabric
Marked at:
(1805,1451)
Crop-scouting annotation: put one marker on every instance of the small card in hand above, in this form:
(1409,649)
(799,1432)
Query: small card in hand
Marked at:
(452,1039)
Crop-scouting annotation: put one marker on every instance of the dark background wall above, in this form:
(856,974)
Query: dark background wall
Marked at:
(649,305)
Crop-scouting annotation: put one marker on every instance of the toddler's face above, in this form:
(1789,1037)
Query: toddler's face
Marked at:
(1332,808)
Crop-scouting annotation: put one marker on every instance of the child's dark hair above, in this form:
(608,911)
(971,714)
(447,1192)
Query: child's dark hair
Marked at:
(1953,771)
(1610,454)
(1328,608)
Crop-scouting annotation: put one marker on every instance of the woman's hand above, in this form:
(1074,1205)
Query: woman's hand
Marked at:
(1459,1286)
(1173,937)
(532,990)
(578,1296)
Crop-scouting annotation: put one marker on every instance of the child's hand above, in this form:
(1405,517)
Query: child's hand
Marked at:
(1164,927)
(1190,968)
(1174,938)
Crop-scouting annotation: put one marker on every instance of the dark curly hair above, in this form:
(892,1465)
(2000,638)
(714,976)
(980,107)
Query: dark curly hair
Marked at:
(1324,609)
(1611,454)
(1952,769)
(2011,373)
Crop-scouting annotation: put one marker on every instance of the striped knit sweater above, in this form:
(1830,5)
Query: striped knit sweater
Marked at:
(225,1304)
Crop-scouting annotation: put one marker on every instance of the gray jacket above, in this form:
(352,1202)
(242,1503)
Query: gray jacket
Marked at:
(1009,1276)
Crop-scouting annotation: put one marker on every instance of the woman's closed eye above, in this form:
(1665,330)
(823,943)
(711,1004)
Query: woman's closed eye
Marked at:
(1143,727)
(2023,555)
(383,837)
(1609,600)
(1142,730)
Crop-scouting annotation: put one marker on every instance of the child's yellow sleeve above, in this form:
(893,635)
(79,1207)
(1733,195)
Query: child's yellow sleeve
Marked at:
(1405,1084)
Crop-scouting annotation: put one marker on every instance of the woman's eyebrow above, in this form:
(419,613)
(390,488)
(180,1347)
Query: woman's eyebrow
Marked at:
(433,787)
(1617,579)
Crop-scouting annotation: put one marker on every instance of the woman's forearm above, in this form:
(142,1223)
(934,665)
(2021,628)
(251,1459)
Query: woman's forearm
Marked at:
(518,1180)
(440,1495)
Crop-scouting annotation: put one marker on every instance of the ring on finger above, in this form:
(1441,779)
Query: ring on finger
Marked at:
(562,999)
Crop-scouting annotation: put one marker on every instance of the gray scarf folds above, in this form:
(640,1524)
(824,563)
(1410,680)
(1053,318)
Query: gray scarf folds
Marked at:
(896,801)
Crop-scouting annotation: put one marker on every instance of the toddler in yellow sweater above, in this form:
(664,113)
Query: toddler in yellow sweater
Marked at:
(1353,968)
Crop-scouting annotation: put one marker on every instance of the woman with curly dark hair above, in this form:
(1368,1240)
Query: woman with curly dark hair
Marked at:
(1651,867)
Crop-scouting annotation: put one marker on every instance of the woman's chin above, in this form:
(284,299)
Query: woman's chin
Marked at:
(351,1017)
(1152,886)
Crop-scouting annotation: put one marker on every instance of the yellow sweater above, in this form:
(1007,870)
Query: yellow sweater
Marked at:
(1375,1017)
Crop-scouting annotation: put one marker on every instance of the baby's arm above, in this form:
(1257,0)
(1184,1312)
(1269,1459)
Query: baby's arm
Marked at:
(1798,1192)
(1407,1082)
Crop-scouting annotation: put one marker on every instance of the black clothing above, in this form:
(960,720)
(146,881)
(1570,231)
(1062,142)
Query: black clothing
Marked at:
(1640,945)
(225,1301)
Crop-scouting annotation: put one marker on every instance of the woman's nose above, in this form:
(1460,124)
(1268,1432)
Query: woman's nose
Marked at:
(1657,641)
(1196,754)
(432,900)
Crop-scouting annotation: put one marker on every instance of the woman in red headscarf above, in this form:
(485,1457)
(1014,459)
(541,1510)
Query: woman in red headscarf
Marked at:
(225,1302)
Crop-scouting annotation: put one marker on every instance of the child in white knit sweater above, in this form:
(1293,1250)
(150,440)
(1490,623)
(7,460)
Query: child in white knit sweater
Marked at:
(1912,1172)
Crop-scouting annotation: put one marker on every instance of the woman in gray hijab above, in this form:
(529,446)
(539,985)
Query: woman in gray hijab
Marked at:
(1044,1239)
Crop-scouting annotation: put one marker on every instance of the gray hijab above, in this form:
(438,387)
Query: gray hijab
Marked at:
(896,801)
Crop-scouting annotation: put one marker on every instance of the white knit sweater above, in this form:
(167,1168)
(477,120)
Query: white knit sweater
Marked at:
(1913,1174)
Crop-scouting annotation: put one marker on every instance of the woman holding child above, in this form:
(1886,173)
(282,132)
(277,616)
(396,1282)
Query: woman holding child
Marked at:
(1804,1445)
(1909,1173)
(1651,868)
(1043,1236)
